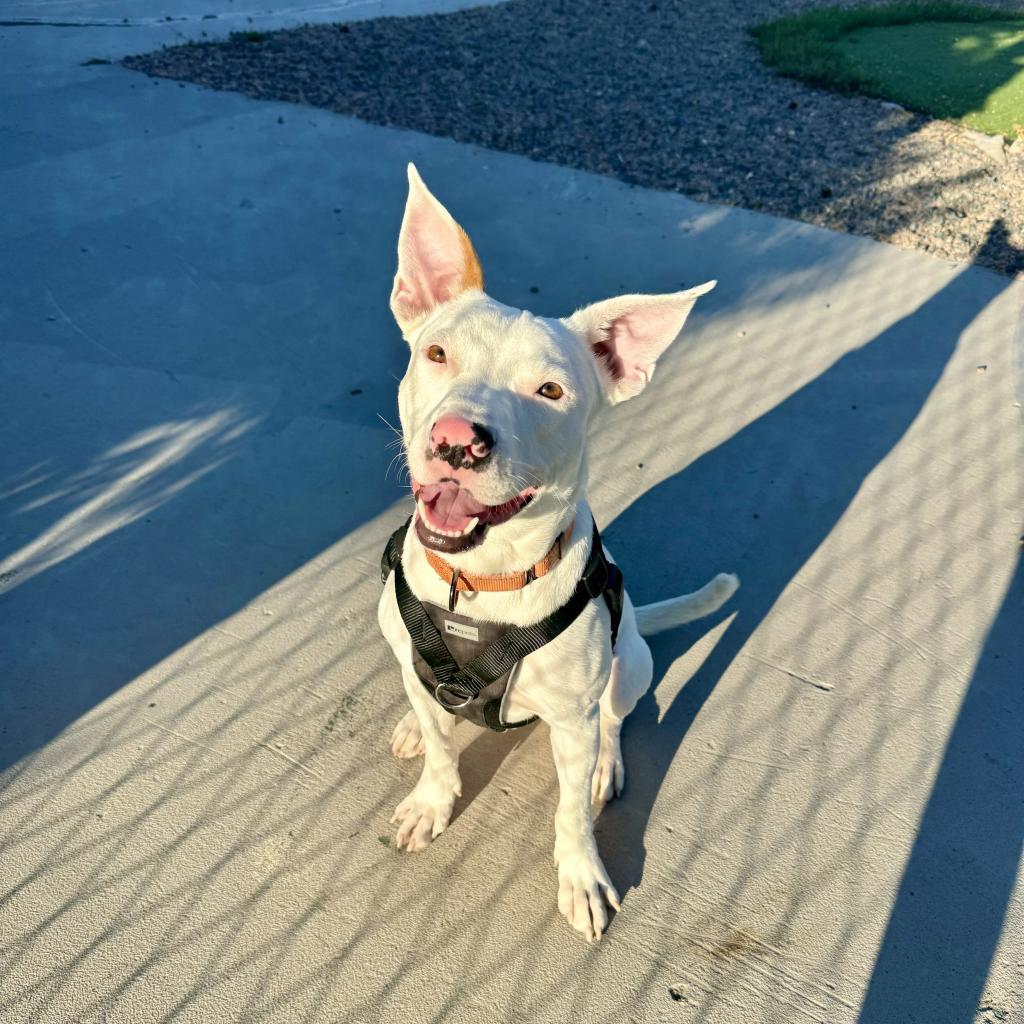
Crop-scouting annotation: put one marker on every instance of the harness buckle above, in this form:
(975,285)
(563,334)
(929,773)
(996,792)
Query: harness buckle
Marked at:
(448,706)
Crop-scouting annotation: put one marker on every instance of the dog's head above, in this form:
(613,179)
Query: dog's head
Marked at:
(496,402)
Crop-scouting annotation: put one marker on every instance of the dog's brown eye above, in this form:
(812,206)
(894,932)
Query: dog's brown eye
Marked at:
(436,354)
(550,390)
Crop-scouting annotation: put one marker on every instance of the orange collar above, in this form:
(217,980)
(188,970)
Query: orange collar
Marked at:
(503,581)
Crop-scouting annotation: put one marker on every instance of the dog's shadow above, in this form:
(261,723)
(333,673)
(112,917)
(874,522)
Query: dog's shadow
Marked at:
(482,757)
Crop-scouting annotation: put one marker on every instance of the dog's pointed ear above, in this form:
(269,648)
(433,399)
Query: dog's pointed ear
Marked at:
(628,334)
(436,260)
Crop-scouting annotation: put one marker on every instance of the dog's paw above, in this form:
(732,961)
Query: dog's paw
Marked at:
(585,893)
(407,738)
(423,815)
(610,773)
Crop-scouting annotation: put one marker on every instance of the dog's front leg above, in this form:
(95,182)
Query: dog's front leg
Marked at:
(424,814)
(584,889)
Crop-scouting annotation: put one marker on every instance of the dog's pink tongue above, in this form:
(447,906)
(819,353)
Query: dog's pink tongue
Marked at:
(451,506)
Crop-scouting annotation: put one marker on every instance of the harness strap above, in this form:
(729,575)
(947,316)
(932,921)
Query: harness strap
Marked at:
(392,557)
(463,685)
(457,686)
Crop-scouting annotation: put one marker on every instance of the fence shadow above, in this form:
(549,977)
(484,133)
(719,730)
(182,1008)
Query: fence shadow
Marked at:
(762,503)
(956,887)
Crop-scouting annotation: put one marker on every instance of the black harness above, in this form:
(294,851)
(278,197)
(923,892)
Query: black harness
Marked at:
(471,682)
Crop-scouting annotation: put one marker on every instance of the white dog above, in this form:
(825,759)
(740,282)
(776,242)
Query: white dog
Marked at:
(495,407)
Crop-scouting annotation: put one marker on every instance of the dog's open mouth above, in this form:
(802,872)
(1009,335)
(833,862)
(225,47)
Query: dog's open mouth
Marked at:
(450,519)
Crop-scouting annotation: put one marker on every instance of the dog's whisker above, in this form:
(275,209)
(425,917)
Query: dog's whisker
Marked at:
(402,459)
(389,425)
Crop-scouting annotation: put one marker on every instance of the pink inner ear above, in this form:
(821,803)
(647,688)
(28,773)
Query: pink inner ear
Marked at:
(636,339)
(421,287)
(628,335)
(612,363)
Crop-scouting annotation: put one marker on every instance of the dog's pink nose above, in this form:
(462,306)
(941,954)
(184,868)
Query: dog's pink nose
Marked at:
(452,430)
(463,445)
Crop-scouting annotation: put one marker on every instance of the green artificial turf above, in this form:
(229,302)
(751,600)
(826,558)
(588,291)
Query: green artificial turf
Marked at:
(949,60)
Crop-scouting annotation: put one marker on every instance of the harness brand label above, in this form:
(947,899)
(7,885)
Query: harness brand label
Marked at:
(460,629)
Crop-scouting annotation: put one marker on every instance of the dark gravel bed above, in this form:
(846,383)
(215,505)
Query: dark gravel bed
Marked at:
(668,94)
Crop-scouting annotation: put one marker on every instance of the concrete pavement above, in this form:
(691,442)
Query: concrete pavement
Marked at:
(823,812)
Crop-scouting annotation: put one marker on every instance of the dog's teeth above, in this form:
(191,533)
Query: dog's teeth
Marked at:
(470,526)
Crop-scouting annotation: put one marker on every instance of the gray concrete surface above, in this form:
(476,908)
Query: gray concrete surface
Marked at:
(823,811)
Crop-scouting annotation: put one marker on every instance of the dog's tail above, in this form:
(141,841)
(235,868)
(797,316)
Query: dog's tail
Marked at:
(653,618)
